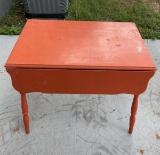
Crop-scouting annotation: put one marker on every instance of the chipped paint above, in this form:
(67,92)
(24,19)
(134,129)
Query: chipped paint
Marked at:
(139,48)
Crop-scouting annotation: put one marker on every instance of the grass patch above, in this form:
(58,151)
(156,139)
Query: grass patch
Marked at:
(142,13)
(13,22)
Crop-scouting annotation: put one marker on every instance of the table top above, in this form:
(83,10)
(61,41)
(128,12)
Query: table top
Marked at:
(80,45)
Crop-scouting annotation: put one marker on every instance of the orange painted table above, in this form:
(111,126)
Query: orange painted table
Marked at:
(78,57)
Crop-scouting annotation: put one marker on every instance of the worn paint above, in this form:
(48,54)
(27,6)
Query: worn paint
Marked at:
(80,45)
(75,57)
(139,48)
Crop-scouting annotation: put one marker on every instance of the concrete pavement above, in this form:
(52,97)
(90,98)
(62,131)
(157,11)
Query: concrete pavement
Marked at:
(79,124)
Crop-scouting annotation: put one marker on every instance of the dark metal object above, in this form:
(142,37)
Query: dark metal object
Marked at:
(45,8)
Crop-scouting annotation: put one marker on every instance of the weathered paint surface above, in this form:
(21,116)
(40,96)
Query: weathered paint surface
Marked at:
(111,74)
(79,81)
(80,45)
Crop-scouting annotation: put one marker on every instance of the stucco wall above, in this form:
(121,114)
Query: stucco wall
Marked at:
(5,6)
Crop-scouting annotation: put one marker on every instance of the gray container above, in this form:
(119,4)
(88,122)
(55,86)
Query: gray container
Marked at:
(5,6)
(45,8)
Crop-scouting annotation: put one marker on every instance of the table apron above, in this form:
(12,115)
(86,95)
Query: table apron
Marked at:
(68,81)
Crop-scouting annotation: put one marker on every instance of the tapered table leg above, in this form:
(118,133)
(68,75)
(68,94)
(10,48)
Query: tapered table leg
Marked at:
(25,112)
(133,113)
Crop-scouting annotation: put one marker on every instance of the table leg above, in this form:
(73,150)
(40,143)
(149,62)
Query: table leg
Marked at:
(133,113)
(25,112)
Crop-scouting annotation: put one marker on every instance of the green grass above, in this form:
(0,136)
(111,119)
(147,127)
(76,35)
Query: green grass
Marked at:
(143,14)
(14,21)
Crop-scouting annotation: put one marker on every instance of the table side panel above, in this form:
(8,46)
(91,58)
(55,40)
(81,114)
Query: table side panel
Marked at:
(64,81)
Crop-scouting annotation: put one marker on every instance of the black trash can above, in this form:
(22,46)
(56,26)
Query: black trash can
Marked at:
(45,8)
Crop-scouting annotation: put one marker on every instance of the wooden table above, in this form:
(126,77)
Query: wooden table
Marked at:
(78,57)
